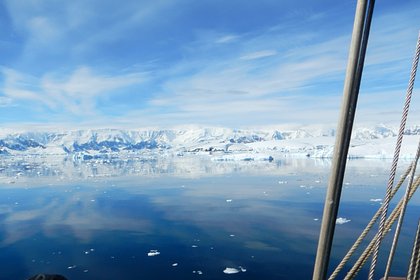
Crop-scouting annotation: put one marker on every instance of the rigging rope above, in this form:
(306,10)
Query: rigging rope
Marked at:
(368,227)
(395,161)
(401,217)
(387,226)
(414,268)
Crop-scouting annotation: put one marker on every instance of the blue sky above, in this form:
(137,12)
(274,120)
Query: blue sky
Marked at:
(230,63)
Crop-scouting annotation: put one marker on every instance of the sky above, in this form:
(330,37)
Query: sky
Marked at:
(163,63)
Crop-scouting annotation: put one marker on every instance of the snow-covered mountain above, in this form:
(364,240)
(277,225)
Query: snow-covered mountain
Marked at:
(221,143)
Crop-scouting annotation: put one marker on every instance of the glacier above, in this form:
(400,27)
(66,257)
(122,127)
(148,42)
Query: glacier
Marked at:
(218,143)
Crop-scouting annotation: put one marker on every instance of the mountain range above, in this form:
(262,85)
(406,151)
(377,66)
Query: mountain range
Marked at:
(221,143)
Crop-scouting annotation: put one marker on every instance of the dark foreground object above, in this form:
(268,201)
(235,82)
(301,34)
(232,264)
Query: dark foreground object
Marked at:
(48,277)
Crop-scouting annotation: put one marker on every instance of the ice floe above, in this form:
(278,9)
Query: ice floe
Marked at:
(230,270)
(375,199)
(341,221)
(153,253)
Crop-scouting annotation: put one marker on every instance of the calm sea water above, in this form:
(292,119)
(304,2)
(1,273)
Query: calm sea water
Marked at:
(102,221)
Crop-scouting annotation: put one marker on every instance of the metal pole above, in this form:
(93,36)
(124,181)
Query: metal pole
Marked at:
(341,147)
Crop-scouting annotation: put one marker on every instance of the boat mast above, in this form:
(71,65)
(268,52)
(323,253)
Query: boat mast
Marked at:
(354,71)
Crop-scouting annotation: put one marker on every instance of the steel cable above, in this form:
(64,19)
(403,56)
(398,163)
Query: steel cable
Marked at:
(395,160)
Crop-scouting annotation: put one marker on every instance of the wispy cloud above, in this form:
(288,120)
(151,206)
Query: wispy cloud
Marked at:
(259,54)
(227,39)
(76,93)
(195,64)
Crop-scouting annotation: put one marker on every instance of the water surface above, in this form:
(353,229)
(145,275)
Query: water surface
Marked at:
(100,221)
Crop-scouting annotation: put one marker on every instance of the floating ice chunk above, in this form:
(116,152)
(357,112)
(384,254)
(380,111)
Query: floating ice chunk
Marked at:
(153,253)
(175,264)
(282,182)
(72,267)
(242,269)
(86,270)
(228,200)
(375,199)
(341,221)
(316,219)
(232,235)
(197,272)
(230,270)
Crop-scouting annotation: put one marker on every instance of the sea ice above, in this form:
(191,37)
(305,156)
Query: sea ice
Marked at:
(175,264)
(341,221)
(228,200)
(375,199)
(153,253)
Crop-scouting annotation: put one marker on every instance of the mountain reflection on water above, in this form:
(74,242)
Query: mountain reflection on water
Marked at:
(93,220)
